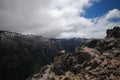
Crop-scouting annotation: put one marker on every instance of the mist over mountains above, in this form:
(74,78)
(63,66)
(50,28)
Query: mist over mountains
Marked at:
(60,19)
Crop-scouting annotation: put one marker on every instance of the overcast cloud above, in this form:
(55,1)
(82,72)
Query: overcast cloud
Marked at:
(55,18)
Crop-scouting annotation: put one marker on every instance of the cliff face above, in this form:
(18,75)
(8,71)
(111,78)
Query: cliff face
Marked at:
(22,55)
(95,60)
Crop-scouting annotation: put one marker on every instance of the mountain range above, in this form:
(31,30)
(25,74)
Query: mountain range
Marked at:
(22,55)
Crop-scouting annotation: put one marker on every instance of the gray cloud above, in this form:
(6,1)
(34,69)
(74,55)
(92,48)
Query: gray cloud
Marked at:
(54,18)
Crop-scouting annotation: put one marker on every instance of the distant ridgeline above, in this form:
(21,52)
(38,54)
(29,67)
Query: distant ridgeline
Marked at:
(70,44)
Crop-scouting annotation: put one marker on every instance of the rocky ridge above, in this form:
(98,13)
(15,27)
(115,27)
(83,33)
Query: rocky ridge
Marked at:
(95,60)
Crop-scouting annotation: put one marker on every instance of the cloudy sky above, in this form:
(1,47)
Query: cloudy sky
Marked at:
(60,18)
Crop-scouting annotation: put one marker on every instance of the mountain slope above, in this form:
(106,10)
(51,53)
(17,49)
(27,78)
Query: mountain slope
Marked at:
(22,55)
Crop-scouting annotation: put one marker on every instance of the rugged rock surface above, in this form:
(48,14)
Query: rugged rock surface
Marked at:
(96,60)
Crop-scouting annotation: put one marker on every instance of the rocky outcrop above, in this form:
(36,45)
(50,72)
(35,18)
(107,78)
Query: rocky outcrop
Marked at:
(96,60)
(112,40)
(115,32)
